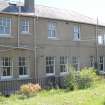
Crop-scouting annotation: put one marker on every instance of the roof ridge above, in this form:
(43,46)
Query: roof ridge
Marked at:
(52,12)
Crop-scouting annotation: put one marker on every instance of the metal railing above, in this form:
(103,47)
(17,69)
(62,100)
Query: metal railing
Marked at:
(8,87)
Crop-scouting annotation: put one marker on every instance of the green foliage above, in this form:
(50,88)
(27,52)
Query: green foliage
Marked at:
(70,83)
(90,96)
(86,78)
(82,79)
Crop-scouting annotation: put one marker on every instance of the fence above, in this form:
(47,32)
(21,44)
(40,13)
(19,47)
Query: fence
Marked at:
(8,87)
(11,86)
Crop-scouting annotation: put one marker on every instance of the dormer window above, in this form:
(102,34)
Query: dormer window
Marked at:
(5,26)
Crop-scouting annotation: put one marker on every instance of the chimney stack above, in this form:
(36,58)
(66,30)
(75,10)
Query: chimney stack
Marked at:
(29,5)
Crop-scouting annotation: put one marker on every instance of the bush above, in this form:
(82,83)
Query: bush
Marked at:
(70,79)
(86,78)
(30,89)
(82,79)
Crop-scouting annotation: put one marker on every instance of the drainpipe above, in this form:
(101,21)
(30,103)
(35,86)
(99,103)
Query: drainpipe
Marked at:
(97,45)
(18,42)
(35,46)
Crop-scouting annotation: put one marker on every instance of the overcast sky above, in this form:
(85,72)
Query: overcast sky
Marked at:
(92,8)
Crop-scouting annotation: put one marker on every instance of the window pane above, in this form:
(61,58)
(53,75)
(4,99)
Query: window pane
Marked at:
(47,69)
(62,68)
(76,29)
(25,70)
(4,72)
(8,71)
(51,69)
(21,71)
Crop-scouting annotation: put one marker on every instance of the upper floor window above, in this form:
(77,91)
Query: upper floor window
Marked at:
(51,30)
(76,32)
(100,40)
(25,26)
(5,26)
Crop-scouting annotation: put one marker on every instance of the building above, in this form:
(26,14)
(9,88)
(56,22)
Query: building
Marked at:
(39,41)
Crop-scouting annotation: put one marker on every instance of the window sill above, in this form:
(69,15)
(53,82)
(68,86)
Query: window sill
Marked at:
(23,76)
(63,73)
(26,33)
(50,74)
(5,35)
(6,77)
(75,40)
(52,38)
(102,72)
(101,44)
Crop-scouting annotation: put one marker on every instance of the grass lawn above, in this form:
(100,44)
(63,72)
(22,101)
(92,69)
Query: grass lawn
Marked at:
(91,96)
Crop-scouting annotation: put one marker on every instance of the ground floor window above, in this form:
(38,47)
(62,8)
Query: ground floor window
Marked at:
(101,63)
(6,67)
(50,65)
(92,61)
(23,67)
(75,62)
(63,64)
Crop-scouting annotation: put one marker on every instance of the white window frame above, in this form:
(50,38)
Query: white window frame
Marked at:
(64,64)
(4,66)
(101,63)
(26,24)
(76,32)
(49,65)
(92,61)
(51,30)
(76,62)
(26,64)
(4,27)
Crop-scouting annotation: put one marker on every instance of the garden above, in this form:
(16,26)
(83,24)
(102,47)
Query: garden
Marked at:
(85,87)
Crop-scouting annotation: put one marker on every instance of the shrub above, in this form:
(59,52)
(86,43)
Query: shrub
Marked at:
(83,82)
(70,79)
(30,89)
(80,79)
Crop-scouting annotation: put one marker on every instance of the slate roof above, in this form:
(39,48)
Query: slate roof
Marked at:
(48,12)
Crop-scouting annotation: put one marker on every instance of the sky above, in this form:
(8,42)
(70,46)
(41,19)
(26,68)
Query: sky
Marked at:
(91,8)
